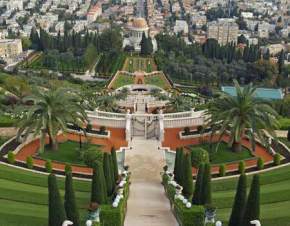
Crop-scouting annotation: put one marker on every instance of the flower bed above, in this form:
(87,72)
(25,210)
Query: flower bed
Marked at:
(185,213)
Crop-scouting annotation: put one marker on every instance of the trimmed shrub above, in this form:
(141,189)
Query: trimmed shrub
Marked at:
(108,172)
(239,203)
(11,157)
(177,165)
(186,131)
(260,164)
(48,166)
(187,172)
(222,170)
(115,164)
(277,159)
(288,134)
(103,130)
(242,167)
(99,187)
(29,162)
(70,202)
(198,186)
(206,197)
(67,168)
(198,156)
(56,213)
(252,210)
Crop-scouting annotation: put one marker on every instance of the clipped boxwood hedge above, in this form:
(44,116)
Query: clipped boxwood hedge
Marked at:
(185,216)
(284,123)
(110,216)
(6,121)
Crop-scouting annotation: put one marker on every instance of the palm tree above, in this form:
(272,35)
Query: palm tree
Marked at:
(50,112)
(106,102)
(241,115)
(179,103)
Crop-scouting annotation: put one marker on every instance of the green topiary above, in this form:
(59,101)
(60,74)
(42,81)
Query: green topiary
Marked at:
(222,170)
(242,167)
(277,159)
(198,186)
(206,197)
(252,210)
(29,162)
(198,156)
(260,164)
(186,131)
(11,157)
(99,187)
(239,205)
(48,166)
(56,213)
(67,168)
(70,202)
(188,181)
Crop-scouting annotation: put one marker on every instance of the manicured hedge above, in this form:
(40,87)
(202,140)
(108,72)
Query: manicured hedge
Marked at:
(185,216)
(110,216)
(6,121)
(284,123)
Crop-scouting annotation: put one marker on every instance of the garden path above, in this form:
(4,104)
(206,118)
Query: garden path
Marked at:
(147,204)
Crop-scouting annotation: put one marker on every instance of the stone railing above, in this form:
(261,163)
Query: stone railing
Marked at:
(105,114)
(183,122)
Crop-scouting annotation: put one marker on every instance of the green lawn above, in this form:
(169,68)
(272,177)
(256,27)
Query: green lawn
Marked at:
(24,195)
(6,121)
(122,80)
(275,198)
(224,154)
(67,152)
(156,80)
(133,64)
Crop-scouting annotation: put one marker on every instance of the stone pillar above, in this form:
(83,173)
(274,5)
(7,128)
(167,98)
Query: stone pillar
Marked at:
(128,126)
(161,125)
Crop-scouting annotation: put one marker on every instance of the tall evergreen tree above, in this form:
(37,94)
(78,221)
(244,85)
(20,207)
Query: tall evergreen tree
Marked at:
(281,60)
(181,170)
(108,173)
(115,163)
(239,203)
(56,213)
(146,45)
(70,202)
(187,174)
(198,185)
(206,197)
(252,211)
(99,187)
(176,165)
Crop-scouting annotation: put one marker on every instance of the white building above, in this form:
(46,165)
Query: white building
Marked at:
(181,26)
(224,30)
(14,5)
(94,12)
(10,48)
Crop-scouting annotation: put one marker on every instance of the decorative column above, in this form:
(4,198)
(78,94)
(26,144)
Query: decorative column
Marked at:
(161,125)
(128,126)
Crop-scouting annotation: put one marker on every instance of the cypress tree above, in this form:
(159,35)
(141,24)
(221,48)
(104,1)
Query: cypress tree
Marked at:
(252,211)
(108,173)
(187,173)
(99,188)
(112,172)
(69,201)
(181,168)
(115,163)
(176,164)
(281,60)
(239,203)
(56,213)
(206,185)
(198,185)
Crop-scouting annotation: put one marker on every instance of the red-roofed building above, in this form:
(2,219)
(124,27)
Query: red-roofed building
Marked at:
(94,12)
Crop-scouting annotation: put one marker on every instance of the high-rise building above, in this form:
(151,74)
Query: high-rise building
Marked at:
(224,30)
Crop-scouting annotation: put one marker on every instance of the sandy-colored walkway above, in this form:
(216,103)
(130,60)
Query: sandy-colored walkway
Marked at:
(147,204)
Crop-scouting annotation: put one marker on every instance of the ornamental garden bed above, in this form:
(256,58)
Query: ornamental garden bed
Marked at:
(222,154)
(68,152)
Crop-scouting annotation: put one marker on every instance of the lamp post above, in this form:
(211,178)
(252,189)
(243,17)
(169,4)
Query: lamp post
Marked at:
(256,222)
(67,223)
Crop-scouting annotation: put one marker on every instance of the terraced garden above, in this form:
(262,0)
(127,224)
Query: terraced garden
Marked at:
(157,80)
(275,198)
(25,197)
(133,64)
(122,80)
